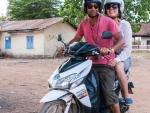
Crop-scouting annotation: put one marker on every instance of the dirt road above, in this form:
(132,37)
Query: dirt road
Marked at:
(24,82)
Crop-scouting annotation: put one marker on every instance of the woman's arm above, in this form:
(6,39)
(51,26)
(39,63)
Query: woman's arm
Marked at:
(127,37)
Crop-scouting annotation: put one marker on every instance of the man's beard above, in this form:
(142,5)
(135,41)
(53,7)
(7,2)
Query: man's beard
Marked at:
(93,16)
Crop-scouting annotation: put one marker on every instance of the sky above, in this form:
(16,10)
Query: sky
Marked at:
(3,7)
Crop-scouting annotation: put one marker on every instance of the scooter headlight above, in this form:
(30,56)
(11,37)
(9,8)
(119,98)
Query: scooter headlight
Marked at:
(66,82)
(76,83)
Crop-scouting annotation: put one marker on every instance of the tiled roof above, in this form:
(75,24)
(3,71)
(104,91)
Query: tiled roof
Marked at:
(144,31)
(28,24)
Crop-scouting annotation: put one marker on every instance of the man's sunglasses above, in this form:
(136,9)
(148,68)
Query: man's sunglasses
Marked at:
(114,6)
(90,6)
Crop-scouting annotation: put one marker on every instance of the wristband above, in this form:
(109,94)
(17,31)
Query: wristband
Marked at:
(112,50)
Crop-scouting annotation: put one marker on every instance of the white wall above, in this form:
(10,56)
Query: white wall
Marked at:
(18,43)
(51,33)
(45,41)
(144,40)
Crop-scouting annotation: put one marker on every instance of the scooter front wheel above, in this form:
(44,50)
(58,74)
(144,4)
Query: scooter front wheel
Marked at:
(57,106)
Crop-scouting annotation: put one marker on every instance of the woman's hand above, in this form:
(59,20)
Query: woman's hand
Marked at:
(112,62)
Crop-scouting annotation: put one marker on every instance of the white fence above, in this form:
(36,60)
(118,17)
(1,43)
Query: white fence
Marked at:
(141,47)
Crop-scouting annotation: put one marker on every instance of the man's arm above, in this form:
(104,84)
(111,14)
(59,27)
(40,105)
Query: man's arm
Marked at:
(79,34)
(75,39)
(119,42)
(117,36)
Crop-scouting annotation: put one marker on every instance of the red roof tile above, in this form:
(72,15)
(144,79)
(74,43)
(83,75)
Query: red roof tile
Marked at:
(144,31)
(28,24)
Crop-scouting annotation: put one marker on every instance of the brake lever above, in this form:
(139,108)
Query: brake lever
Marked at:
(95,53)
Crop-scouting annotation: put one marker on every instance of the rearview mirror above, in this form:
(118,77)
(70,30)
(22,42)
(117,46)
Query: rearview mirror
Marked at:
(59,37)
(107,35)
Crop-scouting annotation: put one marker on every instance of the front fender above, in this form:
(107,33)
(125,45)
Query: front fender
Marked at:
(82,95)
(53,95)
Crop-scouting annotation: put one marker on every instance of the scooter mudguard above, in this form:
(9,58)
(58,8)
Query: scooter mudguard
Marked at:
(53,95)
(82,95)
(80,92)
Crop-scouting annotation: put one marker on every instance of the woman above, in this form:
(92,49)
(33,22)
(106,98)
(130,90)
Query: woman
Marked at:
(114,10)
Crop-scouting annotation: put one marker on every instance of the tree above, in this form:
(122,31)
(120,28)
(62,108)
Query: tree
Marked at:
(72,11)
(33,9)
(3,18)
(136,11)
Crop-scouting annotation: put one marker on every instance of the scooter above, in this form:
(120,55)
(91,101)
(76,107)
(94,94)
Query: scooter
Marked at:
(73,85)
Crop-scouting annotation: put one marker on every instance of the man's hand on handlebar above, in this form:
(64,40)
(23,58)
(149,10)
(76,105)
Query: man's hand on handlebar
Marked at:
(106,51)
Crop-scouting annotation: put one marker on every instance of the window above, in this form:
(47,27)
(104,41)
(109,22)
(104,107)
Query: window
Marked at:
(148,42)
(7,42)
(29,42)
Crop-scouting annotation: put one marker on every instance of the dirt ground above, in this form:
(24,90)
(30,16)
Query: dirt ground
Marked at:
(23,82)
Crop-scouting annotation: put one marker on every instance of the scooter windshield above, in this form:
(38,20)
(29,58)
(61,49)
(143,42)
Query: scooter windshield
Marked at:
(83,49)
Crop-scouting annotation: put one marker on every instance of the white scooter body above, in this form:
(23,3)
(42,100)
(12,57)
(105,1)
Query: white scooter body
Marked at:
(77,88)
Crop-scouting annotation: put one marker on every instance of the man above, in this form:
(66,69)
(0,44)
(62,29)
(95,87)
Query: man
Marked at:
(91,28)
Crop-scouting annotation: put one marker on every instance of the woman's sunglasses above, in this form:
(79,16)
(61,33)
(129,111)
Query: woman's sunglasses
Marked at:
(90,6)
(114,6)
